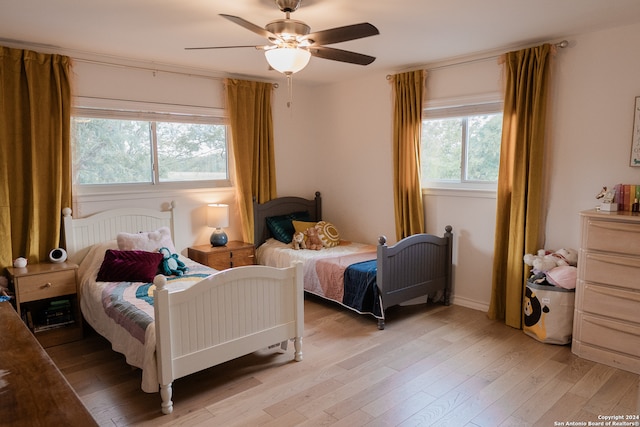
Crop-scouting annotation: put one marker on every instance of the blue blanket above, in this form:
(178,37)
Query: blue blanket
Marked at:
(360,288)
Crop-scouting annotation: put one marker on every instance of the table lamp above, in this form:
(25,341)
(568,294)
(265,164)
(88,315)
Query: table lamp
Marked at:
(218,217)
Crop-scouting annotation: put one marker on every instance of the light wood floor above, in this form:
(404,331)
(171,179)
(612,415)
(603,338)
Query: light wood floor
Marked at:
(432,365)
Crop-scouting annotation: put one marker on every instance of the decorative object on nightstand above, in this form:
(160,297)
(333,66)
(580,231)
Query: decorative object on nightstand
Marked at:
(46,298)
(218,217)
(234,254)
(20,262)
(58,255)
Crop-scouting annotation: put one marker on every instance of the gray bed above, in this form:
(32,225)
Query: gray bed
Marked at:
(416,266)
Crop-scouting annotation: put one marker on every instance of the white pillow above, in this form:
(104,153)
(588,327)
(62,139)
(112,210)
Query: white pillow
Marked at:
(149,241)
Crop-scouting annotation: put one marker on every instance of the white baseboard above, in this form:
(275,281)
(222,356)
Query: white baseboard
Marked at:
(469,303)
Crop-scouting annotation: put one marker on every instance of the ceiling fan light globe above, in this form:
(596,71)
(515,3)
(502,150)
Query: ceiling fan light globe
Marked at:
(287,60)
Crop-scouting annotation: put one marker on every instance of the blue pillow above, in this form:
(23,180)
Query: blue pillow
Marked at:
(281,226)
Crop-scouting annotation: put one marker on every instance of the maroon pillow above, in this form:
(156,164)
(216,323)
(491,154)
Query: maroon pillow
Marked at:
(129,266)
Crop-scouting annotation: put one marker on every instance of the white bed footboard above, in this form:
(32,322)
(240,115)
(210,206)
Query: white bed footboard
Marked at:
(227,315)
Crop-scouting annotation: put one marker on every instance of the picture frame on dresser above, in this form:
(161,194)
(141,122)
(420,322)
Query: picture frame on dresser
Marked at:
(635,140)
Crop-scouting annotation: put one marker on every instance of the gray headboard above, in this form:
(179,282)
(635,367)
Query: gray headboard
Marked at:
(282,206)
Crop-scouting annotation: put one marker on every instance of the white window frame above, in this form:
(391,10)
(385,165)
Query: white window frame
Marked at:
(152,112)
(461,107)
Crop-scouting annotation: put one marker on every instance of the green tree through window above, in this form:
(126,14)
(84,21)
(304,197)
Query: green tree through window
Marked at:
(120,151)
(460,148)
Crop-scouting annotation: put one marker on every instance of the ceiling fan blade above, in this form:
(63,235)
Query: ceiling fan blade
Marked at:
(249,26)
(341,55)
(222,47)
(342,34)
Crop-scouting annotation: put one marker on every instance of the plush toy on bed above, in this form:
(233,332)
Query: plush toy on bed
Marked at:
(298,241)
(171,265)
(313,239)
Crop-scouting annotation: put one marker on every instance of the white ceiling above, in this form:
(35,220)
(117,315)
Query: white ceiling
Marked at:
(412,32)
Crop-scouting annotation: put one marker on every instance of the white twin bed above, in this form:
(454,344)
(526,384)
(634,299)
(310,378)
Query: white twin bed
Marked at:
(176,325)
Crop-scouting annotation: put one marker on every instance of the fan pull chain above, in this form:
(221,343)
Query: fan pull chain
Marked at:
(290,89)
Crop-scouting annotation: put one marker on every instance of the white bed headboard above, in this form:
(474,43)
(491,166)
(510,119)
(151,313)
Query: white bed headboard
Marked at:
(81,233)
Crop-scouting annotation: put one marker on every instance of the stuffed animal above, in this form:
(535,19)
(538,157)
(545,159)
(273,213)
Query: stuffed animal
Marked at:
(544,260)
(298,241)
(171,265)
(313,239)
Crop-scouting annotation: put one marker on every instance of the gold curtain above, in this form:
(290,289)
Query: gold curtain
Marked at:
(408,90)
(35,157)
(249,106)
(520,216)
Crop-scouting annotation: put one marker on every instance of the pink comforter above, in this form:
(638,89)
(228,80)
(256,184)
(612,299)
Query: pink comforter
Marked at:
(331,272)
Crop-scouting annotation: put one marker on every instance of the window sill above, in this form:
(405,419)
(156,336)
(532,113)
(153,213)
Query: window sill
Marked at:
(96,193)
(481,193)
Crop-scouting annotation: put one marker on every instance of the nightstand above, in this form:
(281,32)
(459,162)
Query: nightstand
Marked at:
(46,298)
(234,254)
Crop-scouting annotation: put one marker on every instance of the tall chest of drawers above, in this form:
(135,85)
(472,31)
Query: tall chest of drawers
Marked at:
(606,324)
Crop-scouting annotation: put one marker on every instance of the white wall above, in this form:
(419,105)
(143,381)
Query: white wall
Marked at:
(594,93)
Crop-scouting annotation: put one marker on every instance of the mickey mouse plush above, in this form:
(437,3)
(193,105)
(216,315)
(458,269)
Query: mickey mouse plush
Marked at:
(171,265)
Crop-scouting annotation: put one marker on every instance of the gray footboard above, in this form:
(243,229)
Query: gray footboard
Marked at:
(417,265)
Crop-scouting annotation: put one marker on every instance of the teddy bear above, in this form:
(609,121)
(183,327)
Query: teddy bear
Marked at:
(313,239)
(544,260)
(171,265)
(298,241)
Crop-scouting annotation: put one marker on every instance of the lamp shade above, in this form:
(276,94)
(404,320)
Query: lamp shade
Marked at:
(287,60)
(217,215)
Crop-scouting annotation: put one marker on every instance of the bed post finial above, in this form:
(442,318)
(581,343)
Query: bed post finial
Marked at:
(66,212)
(448,231)
(382,240)
(160,281)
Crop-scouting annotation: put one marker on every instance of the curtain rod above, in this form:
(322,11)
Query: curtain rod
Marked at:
(153,70)
(562,44)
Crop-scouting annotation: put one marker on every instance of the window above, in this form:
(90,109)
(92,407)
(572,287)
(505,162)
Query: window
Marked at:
(461,146)
(128,148)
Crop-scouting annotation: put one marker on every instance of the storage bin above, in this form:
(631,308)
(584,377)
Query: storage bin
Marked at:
(548,313)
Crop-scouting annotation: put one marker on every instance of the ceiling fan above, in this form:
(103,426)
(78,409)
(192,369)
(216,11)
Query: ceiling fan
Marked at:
(292,44)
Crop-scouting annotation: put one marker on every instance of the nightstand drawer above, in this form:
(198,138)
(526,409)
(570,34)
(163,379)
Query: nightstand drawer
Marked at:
(53,284)
(240,257)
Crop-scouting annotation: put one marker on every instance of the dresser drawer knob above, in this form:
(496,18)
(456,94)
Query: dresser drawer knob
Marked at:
(47,285)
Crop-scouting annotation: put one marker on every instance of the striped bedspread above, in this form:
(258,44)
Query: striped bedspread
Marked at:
(130,304)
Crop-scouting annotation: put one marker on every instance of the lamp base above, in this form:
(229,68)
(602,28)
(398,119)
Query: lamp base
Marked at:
(218,237)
